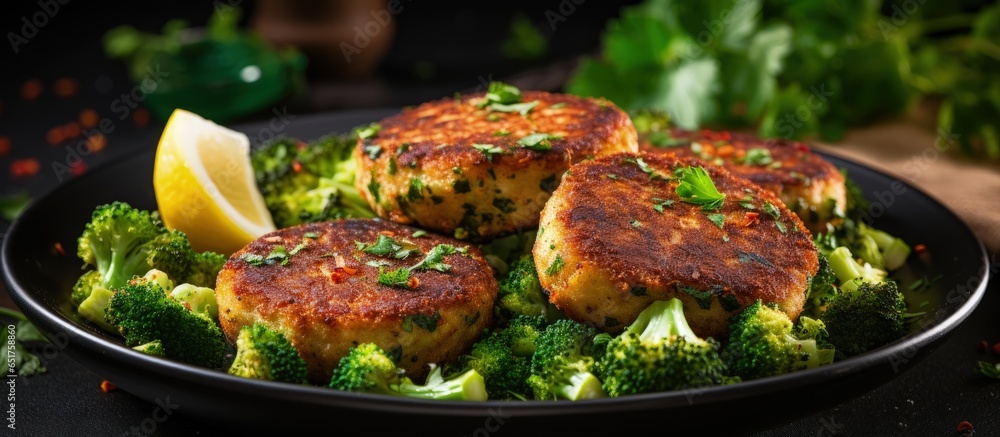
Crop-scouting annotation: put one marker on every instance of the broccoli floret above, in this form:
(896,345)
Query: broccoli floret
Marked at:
(862,319)
(821,289)
(265,353)
(521,334)
(562,365)
(117,241)
(503,358)
(84,285)
(154,348)
(304,183)
(123,242)
(522,294)
(368,369)
(504,252)
(851,273)
(201,300)
(660,352)
(880,249)
(762,343)
(144,313)
(93,308)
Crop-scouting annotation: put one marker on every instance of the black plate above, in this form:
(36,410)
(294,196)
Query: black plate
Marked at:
(40,282)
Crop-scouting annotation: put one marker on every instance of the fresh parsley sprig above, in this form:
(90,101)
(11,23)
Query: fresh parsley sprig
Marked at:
(697,187)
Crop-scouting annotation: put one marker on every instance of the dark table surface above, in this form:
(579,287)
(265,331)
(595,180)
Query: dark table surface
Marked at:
(929,398)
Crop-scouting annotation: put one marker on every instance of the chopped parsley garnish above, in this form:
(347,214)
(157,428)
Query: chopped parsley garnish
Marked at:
(419,233)
(501,97)
(504,204)
(399,278)
(771,210)
(278,255)
(416,187)
(425,322)
(501,133)
(539,141)
(311,235)
(747,202)
(612,176)
(758,156)
(461,186)
(718,219)
(704,298)
(521,108)
(392,166)
(642,166)
(659,204)
(370,131)
(556,266)
(386,246)
(635,223)
(499,92)
(489,150)
(373,151)
(559,105)
(697,187)
(780,226)
(435,258)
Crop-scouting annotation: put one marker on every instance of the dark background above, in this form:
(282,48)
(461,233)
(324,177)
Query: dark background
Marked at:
(439,48)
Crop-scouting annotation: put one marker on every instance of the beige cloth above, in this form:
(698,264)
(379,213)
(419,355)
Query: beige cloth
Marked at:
(913,152)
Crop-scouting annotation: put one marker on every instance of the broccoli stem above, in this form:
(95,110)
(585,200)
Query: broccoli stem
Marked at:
(470,386)
(664,319)
(582,385)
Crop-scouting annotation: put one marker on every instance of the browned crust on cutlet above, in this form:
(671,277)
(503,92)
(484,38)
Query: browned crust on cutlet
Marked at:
(632,254)
(798,163)
(324,308)
(470,193)
(441,133)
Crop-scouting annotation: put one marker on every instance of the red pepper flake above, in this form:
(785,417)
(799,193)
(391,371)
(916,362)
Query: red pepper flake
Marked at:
(920,248)
(141,117)
(338,275)
(996,348)
(78,168)
(801,147)
(97,142)
(297,167)
(4,146)
(88,118)
(751,218)
(108,387)
(55,136)
(965,427)
(388,233)
(57,249)
(22,168)
(413,282)
(725,135)
(32,89)
(983,346)
(66,87)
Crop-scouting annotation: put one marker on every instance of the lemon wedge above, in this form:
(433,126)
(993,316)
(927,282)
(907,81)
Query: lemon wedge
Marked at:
(205,185)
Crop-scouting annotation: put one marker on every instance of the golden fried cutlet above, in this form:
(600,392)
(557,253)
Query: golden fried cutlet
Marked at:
(328,298)
(616,236)
(458,169)
(809,185)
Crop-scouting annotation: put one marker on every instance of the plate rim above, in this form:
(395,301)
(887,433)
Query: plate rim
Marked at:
(322,396)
